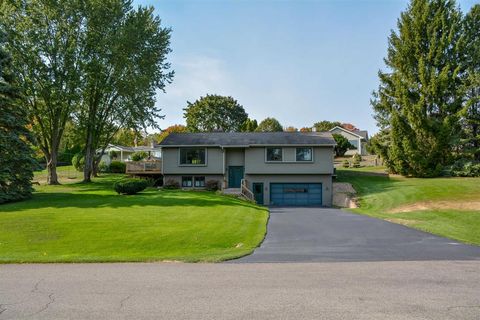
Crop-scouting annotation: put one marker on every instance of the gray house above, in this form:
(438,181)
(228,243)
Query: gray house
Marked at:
(358,138)
(274,168)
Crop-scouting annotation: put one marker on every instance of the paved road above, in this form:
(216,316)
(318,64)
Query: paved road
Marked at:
(320,235)
(354,290)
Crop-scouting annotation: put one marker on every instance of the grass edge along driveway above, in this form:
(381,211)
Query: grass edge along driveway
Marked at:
(91,223)
(447,207)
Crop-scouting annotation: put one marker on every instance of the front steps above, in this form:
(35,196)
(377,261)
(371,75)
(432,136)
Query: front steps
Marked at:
(232,191)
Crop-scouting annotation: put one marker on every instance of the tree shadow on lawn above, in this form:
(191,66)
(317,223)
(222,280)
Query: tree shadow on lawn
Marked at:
(148,198)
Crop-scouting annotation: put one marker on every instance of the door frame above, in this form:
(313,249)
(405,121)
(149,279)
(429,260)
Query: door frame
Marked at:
(263,192)
(230,180)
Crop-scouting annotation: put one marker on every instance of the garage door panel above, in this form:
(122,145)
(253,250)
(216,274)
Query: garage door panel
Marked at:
(296,194)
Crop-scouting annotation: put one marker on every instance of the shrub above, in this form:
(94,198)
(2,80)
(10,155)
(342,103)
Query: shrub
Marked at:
(113,154)
(130,186)
(345,163)
(464,168)
(78,161)
(171,184)
(139,156)
(117,167)
(356,160)
(212,185)
(103,167)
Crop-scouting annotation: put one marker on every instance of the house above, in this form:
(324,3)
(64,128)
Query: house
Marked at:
(122,153)
(358,138)
(274,168)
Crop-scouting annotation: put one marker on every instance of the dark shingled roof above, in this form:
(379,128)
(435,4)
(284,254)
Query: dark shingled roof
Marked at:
(248,139)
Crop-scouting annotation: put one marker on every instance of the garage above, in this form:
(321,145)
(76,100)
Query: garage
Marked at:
(296,194)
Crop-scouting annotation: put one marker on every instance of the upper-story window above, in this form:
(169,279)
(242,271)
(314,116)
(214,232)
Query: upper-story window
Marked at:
(303,154)
(274,154)
(193,156)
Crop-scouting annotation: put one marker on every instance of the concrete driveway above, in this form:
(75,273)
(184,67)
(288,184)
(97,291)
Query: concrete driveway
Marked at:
(321,235)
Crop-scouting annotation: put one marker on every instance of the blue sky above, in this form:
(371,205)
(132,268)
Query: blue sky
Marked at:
(297,61)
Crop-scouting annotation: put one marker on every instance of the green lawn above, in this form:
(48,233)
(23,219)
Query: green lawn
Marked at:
(89,223)
(445,206)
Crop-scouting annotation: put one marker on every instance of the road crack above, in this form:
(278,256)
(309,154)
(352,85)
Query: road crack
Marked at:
(122,302)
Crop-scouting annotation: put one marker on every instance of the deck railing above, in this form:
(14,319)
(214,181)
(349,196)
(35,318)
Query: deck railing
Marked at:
(247,193)
(154,166)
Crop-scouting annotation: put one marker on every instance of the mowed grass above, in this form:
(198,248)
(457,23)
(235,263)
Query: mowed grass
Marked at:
(91,223)
(448,207)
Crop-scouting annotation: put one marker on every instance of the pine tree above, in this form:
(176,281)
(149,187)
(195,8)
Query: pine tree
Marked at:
(16,161)
(418,99)
(470,114)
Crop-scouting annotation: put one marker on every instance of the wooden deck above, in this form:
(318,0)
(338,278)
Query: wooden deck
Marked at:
(144,167)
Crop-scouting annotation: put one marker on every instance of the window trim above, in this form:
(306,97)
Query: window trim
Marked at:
(273,161)
(190,164)
(303,161)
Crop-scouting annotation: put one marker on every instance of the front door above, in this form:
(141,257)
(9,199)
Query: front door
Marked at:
(258,192)
(235,176)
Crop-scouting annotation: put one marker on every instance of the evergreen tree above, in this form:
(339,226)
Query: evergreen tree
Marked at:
(418,99)
(16,158)
(470,114)
(249,125)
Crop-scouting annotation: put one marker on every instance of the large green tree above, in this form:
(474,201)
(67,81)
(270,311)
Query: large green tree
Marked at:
(16,158)
(250,125)
(418,98)
(342,145)
(124,64)
(470,113)
(326,125)
(269,125)
(43,37)
(215,113)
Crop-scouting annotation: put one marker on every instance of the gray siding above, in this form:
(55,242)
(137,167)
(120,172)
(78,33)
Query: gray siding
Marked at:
(325,180)
(235,157)
(171,163)
(322,162)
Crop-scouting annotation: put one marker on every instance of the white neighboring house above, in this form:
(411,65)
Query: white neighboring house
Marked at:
(357,138)
(124,153)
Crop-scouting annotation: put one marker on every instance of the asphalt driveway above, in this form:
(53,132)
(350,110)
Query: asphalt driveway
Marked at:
(322,235)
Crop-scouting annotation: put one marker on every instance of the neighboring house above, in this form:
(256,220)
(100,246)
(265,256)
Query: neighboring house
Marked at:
(123,153)
(279,168)
(358,138)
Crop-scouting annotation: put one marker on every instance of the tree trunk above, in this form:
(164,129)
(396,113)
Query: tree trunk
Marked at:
(88,168)
(52,177)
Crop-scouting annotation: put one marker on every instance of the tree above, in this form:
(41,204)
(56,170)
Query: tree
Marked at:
(349,127)
(291,129)
(176,128)
(127,137)
(249,125)
(269,125)
(326,125)
(470,114)
(342,145)
(305,129)
(16,160)
(43,38)
(418,98)
(215,113)
(124,64)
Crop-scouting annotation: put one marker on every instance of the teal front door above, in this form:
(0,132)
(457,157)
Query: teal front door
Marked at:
(235,176)
(258,192)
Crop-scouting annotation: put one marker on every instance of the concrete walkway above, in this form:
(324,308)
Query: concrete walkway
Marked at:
(323,235)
